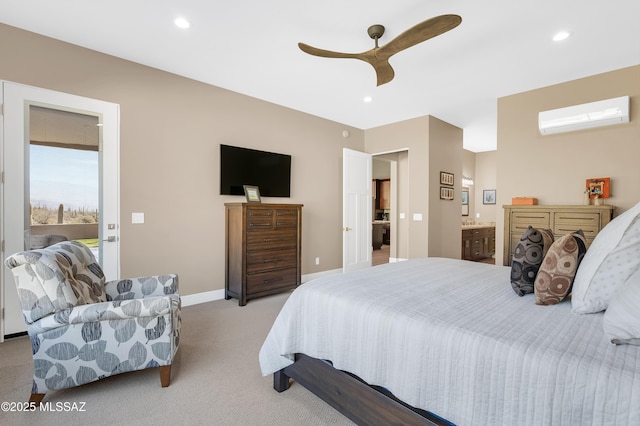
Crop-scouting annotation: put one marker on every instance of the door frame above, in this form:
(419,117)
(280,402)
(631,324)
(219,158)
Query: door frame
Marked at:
(14,130)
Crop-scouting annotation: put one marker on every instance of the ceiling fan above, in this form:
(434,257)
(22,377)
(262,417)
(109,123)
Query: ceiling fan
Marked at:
(378,57)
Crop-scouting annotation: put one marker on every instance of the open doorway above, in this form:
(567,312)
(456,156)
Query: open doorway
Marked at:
(381,189)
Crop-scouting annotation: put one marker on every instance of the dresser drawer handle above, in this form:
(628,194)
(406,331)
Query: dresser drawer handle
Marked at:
(271,260)
(271,281)
(259,224)
(268,240)
(263,214)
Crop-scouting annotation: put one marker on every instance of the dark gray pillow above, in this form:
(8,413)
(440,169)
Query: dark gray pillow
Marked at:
(527,258)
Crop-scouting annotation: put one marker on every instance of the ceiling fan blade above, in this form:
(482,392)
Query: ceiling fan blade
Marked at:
(384,72)
(417,34)
(327,53)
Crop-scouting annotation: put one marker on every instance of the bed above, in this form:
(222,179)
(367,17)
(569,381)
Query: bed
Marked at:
(448,340)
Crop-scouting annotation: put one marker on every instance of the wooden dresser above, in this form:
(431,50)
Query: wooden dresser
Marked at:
(263,245)
(560,219)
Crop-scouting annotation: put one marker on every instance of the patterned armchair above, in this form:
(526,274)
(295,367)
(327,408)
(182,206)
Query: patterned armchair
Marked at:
(83,329)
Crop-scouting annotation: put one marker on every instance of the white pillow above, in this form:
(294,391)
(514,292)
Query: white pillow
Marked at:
(621,322)
(613,256)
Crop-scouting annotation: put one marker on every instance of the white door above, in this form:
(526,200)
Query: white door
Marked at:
(15,227)
(357,205)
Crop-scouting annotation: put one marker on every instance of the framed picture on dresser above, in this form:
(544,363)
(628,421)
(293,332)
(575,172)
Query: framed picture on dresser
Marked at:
(252,193)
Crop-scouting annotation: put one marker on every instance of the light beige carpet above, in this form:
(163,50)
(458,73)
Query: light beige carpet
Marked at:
(215,380)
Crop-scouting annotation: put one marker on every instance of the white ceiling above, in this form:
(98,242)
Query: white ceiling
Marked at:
(502,47)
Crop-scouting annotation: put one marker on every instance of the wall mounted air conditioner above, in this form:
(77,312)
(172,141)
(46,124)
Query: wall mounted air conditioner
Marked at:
(584,116)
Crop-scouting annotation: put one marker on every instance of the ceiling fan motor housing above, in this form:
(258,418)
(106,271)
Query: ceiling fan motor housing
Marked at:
(376,31)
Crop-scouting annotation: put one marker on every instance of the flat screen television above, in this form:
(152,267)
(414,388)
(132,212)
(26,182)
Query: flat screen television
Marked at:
(269,171)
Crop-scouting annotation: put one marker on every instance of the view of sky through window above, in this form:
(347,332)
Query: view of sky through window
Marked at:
(64,176)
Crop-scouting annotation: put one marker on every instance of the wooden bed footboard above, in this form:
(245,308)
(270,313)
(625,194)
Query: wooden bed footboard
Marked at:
(361,403)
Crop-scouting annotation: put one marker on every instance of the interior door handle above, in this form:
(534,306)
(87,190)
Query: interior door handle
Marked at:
(347,229)
(110,239)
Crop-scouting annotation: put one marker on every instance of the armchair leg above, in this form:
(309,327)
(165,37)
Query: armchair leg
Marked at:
(36,398)
(165,375)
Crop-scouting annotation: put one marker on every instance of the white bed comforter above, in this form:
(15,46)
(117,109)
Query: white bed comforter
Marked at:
(453,338)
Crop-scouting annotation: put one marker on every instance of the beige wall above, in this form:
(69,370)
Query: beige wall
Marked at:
(431,146)
(485,179)
(554,168)
(445,154)
(170,132)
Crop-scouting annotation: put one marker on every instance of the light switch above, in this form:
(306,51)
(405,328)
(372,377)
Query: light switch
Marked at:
(417,217)
(401,215)
(137,217)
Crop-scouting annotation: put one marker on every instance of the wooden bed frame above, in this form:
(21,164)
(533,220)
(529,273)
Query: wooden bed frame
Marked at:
(355,399)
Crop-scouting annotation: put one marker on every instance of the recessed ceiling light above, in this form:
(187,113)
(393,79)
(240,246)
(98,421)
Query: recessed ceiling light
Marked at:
(368,99)
(182,23)
(562,35)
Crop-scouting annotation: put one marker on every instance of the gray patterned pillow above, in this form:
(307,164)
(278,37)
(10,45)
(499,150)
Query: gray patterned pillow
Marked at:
(555,277)
(527,257)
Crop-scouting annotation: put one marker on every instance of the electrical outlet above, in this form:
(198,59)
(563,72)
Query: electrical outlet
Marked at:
(317,260)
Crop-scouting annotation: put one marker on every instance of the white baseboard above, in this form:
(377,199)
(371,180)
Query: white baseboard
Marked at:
(210,296)
(207,296)
(396,259)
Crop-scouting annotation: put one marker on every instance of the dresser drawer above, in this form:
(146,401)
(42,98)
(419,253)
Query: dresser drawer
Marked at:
(271,280)
(589,234)
(521,220)
(272,239)
(259,222)
(271,259)
(286,219)
(565,223)
(271,219)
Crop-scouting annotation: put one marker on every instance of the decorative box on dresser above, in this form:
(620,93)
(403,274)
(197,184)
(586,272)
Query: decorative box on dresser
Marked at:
(561,220)
(263,246)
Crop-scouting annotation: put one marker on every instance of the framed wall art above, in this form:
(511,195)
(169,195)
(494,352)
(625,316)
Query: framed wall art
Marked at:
(465,201)
(599,187)
(489,196)
(446,178)
(446,193)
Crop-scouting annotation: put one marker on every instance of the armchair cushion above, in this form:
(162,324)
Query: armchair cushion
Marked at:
(106,311)
(56,278)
